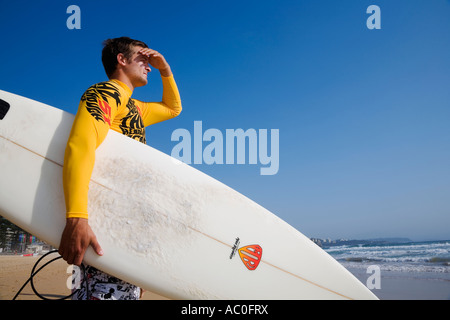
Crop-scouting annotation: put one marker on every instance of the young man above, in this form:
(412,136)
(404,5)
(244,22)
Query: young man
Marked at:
(108,105)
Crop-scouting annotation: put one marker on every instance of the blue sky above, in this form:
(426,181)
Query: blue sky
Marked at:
(363,114)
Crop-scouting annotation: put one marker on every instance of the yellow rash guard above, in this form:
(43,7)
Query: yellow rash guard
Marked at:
(108,105)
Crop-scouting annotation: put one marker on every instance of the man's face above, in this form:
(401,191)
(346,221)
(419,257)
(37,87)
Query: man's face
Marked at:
(137,68)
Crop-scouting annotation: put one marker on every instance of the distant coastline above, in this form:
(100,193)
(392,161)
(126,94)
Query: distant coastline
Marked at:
(326,243)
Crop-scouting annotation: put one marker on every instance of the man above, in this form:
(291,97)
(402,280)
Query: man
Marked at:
(108,105)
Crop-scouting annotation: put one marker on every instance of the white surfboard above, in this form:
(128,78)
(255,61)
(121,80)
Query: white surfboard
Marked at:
(162,224)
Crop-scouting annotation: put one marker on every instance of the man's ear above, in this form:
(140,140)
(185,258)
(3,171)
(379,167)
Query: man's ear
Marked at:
(121,59)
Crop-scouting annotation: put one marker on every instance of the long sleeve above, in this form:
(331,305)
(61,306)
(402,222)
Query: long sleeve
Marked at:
(97,108)
(104,106)
(168,108)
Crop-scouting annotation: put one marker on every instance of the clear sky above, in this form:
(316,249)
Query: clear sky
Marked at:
(363,114)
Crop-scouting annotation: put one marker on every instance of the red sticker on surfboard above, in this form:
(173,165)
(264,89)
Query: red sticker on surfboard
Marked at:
(251,256)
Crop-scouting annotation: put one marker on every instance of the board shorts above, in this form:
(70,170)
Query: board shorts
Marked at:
(102,286)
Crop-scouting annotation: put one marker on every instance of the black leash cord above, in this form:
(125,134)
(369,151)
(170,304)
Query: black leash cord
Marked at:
(33,273)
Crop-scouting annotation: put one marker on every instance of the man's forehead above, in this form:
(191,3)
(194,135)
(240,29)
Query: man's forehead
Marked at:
(135,49)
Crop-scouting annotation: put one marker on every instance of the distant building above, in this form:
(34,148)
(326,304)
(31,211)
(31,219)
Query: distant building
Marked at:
(15,240)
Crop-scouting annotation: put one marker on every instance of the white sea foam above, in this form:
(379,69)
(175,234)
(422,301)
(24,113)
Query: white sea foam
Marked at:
(432,257)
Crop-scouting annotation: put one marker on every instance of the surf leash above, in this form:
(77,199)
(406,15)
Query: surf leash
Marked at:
(33,274)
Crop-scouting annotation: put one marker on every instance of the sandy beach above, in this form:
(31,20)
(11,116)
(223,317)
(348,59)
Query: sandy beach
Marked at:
(409,286)
(51,282)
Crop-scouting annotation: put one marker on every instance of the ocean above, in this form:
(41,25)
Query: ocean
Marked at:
(413,270)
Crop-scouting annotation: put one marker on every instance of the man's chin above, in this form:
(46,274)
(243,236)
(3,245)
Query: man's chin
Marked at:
(142,83)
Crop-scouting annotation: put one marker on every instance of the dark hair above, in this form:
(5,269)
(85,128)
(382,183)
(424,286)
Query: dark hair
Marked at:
(112,47)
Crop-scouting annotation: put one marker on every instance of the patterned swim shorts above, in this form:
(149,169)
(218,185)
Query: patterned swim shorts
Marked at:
(102,286)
